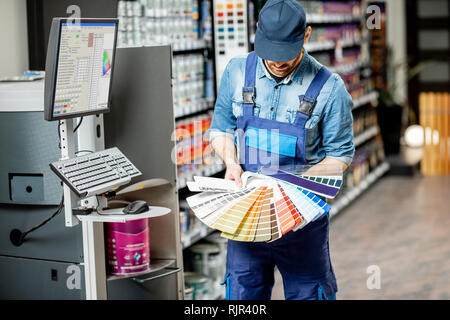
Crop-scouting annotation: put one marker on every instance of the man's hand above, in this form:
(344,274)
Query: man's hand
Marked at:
(234,172)
(224,147)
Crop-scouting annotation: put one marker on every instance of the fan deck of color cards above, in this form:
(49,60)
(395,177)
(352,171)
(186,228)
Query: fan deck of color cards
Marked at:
(270,204)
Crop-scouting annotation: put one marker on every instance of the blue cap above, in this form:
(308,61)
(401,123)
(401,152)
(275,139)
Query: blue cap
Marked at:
(281,30)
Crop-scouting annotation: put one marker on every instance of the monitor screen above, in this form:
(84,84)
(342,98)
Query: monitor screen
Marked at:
(83,68)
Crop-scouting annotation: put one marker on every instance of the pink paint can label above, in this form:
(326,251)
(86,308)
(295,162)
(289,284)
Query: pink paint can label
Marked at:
(128,253)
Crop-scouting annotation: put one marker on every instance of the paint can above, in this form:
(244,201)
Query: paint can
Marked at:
(188,292)
(206,260)
(215,238)
(200,283)
(127,247)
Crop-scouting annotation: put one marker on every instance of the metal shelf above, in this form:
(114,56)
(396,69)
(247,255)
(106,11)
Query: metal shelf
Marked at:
(155,265)
(152,213)
(365,99)
(193,108)
(190,47)
(194,235)
(366,135)
(346,198)
(205,171)
(329,45)
(348,67)
(332,18)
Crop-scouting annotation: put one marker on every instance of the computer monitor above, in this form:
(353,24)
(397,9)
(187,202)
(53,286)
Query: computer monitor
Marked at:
(79,67)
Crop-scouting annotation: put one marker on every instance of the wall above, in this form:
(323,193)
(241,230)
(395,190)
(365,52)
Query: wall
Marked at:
(13,37)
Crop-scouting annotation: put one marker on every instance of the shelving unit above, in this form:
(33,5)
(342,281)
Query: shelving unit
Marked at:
(193,108)
(351,195)
(205,170)
(371,97)
(329,45)
(366,136)
(195,235)
(155,266)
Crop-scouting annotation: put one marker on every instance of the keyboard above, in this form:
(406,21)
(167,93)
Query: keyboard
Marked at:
(96,172)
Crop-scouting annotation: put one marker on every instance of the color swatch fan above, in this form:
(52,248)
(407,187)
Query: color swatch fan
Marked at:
(268,205)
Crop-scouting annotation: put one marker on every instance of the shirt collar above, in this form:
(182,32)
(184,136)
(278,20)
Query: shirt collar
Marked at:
(297,75)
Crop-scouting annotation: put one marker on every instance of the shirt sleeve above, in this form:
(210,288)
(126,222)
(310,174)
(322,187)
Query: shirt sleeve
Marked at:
(223,121)
(337,125)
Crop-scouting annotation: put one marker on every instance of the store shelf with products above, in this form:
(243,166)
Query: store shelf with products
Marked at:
(191,236)
(193,108)
(366,136)
(371,97)
(206,262)
(349,67)
(194,154)
(203,170)
(147,22)
(369,164)
(329,45)
(351,195)
(332,18)
(195,45)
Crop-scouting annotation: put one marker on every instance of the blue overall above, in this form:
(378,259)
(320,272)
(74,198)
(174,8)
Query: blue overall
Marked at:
(302,257)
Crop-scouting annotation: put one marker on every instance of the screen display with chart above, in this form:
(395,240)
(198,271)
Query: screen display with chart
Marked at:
(84,68)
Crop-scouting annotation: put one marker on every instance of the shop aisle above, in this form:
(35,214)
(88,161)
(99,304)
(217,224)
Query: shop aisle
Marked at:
(401,226)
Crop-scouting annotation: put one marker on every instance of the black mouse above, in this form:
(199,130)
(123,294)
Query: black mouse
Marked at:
(136,207)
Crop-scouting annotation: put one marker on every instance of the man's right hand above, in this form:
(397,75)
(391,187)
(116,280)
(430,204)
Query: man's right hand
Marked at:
(224,147)
(234,172)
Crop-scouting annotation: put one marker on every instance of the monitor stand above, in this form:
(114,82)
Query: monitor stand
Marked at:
(93,237)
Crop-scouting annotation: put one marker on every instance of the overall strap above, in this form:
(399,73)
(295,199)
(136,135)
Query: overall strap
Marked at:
(309,99)
(249,90)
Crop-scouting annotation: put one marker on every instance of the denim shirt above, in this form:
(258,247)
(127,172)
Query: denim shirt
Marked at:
(330,127)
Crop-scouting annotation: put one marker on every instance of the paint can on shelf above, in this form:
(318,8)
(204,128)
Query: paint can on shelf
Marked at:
(200,283)
(127,247)
(188,292)
(206,260)
(222,243)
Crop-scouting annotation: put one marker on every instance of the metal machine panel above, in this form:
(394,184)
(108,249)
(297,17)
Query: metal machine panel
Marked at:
(28,144)
(53,241)
(141,120)
(40,280)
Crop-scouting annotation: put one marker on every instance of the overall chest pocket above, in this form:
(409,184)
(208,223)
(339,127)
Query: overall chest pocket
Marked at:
(313,129)
(312,125)
(271,141)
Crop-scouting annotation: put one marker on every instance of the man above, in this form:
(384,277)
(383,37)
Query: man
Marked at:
(280,91)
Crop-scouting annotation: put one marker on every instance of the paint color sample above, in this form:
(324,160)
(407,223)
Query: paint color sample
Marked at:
(247,229)
(282,206)
(294,211)
(318,188)
(264,210)
(232,218)
(264,229)
(332,181)
(202,206)
(232,37)
(276,232)
(307,208)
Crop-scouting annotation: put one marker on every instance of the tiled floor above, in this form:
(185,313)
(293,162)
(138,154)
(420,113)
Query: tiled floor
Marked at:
(401,226)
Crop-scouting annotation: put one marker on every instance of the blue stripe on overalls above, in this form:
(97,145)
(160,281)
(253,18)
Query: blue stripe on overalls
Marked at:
(302,257)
